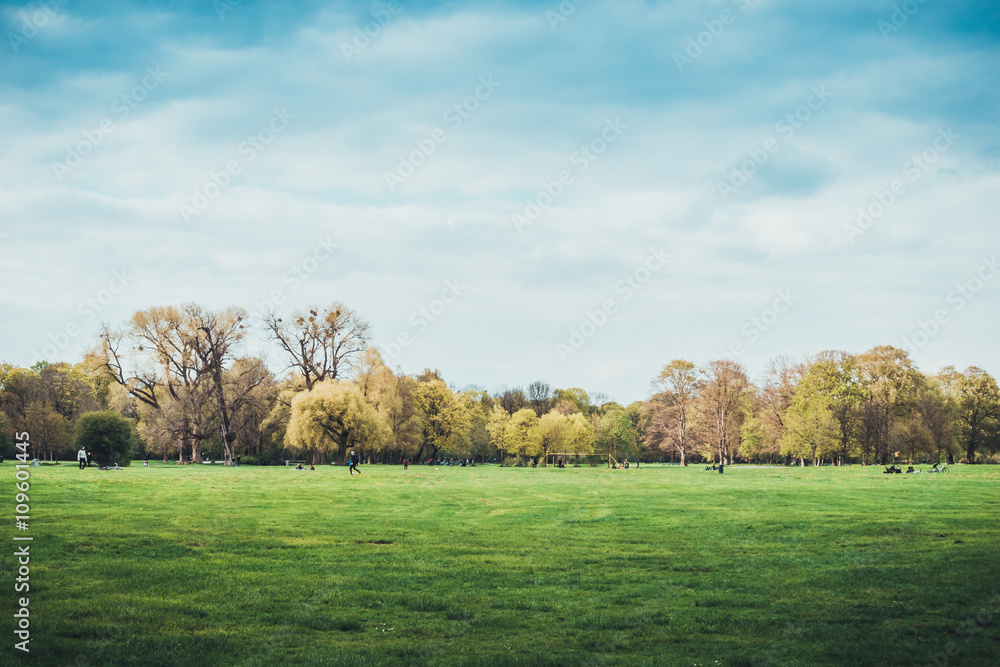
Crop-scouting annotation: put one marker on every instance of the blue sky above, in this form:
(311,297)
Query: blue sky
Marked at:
(740,139)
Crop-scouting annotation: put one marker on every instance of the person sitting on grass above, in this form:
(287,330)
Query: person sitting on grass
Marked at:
(299,467)
(312,467)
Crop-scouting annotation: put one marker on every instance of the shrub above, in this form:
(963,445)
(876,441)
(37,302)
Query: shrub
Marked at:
(108,436)
(249,461)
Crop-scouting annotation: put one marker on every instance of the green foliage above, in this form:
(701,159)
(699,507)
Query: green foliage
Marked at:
(523,433)
(576,396)
(51,432)
(6,437)
(108,436)
(616,435)
(444,418)
(978,412)
(333,417)
(811,431)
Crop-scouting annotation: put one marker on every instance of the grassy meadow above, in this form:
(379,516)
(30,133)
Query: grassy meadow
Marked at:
(206,565)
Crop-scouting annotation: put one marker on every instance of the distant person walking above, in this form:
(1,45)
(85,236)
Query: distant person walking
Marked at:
(406,464)
(354,463)
(81,457)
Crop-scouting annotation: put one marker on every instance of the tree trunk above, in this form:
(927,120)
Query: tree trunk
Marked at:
(196,445)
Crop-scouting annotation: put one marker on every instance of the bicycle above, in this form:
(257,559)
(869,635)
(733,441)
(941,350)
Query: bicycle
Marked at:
(941,469)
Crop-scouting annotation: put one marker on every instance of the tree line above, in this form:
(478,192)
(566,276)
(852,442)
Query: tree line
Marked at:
(181,376)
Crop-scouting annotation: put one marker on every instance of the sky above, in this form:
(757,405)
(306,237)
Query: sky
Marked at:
(576,192)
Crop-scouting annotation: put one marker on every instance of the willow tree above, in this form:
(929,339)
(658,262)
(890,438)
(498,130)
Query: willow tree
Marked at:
(333,417)
(522,435)
(568,434)
(555,432)
(393,395)
(496,426)
(444,419)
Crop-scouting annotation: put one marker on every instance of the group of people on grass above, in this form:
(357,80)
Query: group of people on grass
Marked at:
(896,469)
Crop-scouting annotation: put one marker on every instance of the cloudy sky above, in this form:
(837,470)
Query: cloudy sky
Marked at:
(511,191)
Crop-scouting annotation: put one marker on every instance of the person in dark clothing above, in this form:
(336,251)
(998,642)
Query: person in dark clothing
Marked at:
(406,464)
(354,463)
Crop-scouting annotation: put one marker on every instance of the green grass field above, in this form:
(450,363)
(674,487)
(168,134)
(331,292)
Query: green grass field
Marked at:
(206,565)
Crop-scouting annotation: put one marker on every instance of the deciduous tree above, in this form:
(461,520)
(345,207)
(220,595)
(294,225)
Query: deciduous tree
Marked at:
(443,418)
(977,412)
(722,406)
(320,343)
(333,417)
(668,411)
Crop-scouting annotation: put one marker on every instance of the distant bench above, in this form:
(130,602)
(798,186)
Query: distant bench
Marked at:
(292,463)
